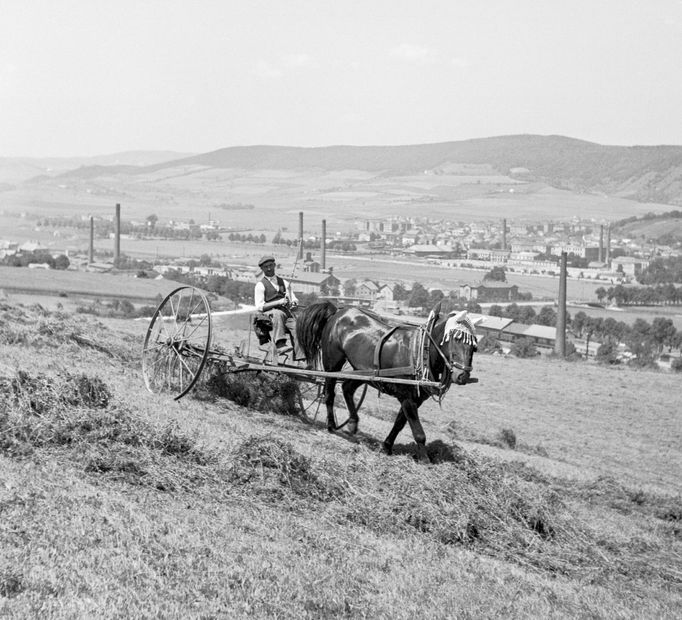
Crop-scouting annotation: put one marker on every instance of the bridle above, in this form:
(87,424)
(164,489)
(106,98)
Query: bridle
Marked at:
(449,363)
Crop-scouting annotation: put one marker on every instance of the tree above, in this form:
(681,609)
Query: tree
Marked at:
(663,333)
(400,293)
(495,310)
(607,353)
(419,297)
(527,315)
(601,293)
(152,220)
(350,286)
(435,296)
(524,347)
(496,274)
(61,262)
(546,316)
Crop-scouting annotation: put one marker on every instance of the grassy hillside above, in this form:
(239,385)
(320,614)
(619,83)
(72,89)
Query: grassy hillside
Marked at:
(543,500)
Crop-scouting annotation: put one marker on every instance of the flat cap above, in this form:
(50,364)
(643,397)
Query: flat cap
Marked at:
(265,259)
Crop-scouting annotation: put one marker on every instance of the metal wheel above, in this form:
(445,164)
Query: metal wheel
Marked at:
(178,342)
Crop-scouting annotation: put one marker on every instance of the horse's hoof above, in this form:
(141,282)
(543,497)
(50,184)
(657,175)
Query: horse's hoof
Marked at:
(423,459)
(331,429)
(352,427)
(386,448)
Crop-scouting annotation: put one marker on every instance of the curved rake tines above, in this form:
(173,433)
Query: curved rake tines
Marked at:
(177,343)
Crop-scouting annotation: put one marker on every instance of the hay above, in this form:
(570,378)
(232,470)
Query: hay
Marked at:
(75,411)
(272,469)
(259,391)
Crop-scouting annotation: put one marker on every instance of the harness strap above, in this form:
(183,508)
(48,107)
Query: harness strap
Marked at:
(380,346)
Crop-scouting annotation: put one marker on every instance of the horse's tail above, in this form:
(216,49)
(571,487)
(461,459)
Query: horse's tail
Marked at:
(309,326)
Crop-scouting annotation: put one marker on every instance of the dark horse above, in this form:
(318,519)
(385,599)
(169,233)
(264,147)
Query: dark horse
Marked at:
(330,337)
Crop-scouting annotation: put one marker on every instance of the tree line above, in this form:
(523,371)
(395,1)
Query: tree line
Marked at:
(24,259)
(641,295)
(662,271)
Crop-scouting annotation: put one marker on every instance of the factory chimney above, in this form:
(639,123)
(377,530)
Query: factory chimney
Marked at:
(504,234)
(323,246)
(117,234)
(608,244)
(560,342)
(300,235)
(601,243)
(91,248)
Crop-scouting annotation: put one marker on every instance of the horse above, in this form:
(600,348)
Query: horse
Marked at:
(441,351)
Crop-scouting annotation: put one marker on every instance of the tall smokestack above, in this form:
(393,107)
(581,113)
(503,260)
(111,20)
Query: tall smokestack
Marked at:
(504,234)
(117,233)
(608,243)
(601,243)
(91,248)
(300,235)
(323,245)
(560,342)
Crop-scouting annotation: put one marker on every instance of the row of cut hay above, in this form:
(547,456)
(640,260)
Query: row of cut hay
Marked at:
(75,412)
(480,504)
(39,328)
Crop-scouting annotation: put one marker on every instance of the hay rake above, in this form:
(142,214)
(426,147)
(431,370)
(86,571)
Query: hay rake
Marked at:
(178,346)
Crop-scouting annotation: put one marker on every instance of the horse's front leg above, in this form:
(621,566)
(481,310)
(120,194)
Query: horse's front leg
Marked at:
(411,410)
(398,426)
(348,388)
(329,389)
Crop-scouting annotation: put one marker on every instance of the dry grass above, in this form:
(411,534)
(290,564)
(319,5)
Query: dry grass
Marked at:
(112,499)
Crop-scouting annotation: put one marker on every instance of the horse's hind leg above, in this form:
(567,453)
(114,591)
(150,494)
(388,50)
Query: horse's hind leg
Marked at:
(348,388)
(329,388)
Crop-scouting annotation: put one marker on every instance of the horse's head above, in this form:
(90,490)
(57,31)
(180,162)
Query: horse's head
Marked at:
(458,343)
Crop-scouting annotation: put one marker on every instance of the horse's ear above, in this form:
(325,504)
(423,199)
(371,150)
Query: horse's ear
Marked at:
(458,316)
(436,310)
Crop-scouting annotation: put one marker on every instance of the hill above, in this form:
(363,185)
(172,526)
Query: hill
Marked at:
(19,169)
(644,173)
(661,228)
(539,503)
(518,177)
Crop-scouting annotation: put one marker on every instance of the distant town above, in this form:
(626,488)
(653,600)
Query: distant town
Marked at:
(594,253)
(488,250)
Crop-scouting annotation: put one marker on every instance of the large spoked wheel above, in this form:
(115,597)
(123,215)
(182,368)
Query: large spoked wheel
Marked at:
(178,342)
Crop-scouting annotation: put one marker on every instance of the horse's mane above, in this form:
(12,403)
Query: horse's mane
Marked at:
(309,326)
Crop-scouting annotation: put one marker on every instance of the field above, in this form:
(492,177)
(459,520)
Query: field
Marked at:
(81,284)
(553,492)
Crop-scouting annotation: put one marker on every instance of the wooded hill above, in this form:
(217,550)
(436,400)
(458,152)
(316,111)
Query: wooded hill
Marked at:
(642,173)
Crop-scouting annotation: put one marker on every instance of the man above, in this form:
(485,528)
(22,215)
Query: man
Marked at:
(274,297)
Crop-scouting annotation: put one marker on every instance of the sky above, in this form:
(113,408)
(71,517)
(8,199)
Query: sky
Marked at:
(95,77)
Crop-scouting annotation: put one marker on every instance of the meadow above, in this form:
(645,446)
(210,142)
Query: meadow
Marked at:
(553,492)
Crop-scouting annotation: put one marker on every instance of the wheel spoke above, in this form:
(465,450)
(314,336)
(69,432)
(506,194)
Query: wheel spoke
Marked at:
(178,342)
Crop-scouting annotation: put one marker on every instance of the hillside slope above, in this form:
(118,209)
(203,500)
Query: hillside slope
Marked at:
(645,173)
(116,499)
(642,173)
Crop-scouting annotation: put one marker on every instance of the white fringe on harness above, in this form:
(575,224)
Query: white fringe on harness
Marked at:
(460,327)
